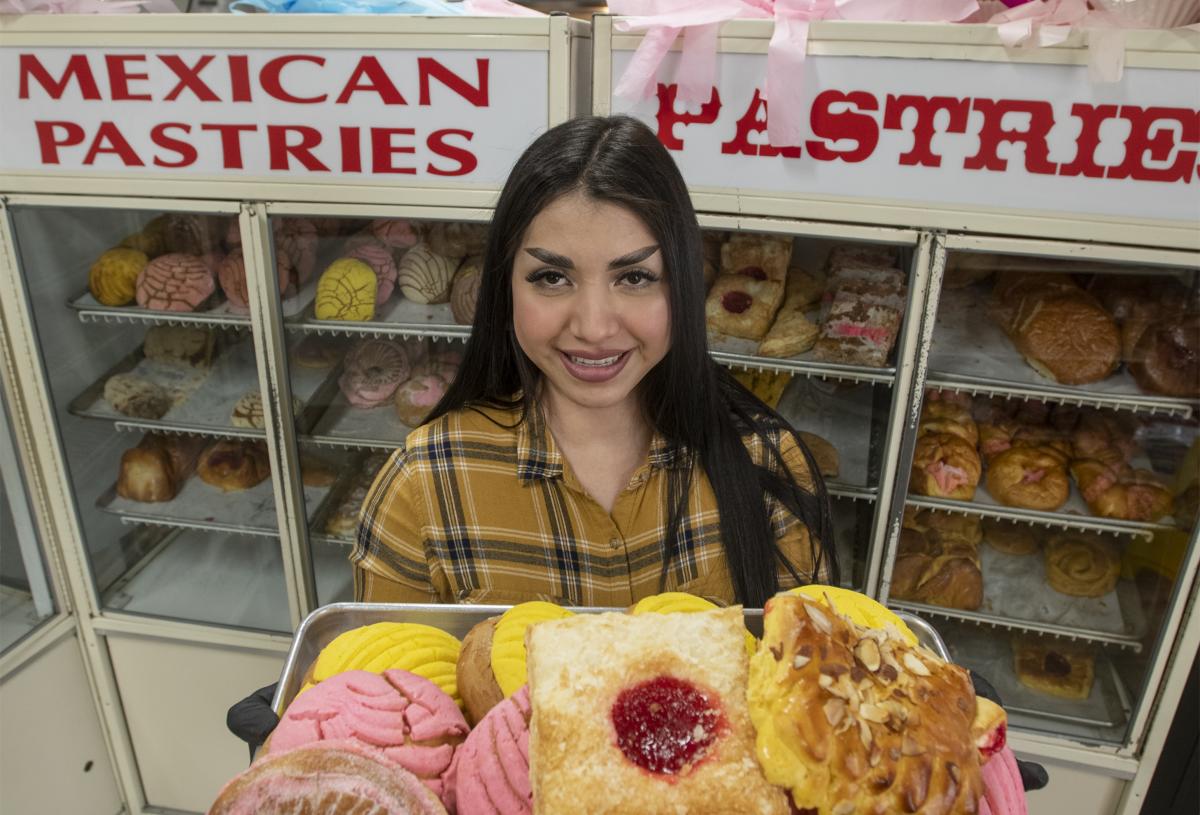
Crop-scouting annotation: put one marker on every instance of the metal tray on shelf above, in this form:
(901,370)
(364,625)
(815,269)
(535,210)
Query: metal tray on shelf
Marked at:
(324,624)
(397,317)
(1108,705)
(202,506)
(741,353)
(843,418)
(967,341)
(1074,514)
(338,423)
(90,309)
(351,470)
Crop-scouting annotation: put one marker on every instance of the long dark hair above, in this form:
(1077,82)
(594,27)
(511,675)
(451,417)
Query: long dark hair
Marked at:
(691,400)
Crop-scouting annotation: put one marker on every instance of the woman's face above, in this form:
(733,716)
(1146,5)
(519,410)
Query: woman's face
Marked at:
(590,303)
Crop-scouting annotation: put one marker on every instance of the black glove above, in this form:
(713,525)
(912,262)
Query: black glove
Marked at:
(1033,775)
(252,719)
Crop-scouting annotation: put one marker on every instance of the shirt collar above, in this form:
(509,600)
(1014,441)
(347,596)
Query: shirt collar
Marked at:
(538,456)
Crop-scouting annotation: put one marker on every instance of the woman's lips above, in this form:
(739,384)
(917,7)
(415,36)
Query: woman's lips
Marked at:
(599,369)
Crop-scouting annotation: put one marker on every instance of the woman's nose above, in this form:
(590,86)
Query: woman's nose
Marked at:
(595,316)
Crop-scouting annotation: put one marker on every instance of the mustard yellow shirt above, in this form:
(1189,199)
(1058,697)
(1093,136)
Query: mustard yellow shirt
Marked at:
(479,507)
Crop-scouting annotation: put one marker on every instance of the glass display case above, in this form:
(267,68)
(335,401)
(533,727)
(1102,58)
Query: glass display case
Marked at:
(144,331)
(1053,480)
(25,597)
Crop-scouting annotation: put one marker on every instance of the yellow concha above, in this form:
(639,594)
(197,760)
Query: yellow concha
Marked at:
(857,607)
(508,641)
(113,277)
(672,602)
(420,649)
(346,291)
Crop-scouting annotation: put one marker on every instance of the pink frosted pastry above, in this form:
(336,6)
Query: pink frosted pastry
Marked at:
(416,397)
(231,272)
(379,258)
(406,718)
(396,233)
(372,372)
(233,235)
(491,776)
(175,282)
(1003,792)
(325,777)
(296,238)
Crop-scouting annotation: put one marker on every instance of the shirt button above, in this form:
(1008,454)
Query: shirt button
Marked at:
(615,543)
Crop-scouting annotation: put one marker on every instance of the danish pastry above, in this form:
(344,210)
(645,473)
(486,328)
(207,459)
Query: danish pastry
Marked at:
(1058,668)
(346,291)
(942,416)
(1081,565)
(742,306)
(927,571)
(425,275)
(1117,491)
(860,256)
(113,277)
(234,464)
(1028,477)
(792,332)
(946,466)
(643,713)
(761,257)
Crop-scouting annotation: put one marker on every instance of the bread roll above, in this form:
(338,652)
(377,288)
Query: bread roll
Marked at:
(476,682)
(936,574)
(156,468)
(1082,565)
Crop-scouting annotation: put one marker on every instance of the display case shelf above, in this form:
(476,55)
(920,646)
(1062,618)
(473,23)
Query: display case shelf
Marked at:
(399,318)
(970,353)
(91,310)
(739,353)
(1072,515)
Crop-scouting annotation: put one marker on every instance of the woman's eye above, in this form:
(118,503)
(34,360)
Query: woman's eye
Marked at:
(547,278)
(638,278)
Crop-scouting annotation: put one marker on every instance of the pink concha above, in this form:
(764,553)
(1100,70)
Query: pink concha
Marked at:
(396,233)
(406,718)
(372,372)
(379,258)
(491,773)
(175,282)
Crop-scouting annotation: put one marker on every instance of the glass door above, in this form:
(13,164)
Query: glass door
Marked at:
(142,323)
(1053,487)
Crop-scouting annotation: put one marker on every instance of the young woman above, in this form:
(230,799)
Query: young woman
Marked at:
(590,452)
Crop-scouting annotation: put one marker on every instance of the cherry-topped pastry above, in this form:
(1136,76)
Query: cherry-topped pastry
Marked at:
(643,713)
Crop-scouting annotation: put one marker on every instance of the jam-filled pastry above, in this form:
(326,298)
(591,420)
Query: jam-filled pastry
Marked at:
(643,713)
(1055,667)
(742,306)
(761,257)
(859,720)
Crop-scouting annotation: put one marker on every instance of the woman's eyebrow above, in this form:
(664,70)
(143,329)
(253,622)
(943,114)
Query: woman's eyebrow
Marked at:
(636,256)
(550,258)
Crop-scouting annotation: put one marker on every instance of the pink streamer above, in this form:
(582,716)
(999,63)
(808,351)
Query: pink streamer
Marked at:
(499,8)
(74,7)
(1049,22)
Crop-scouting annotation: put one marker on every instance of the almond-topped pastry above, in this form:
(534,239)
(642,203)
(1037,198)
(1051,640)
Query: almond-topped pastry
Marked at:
(857,720)
(643,713)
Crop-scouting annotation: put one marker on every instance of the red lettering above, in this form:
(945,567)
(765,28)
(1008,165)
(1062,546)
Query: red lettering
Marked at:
(465,158)
(119,77)
(927,108)
(49,143)
(993,134)
(280,149)
(239,78)
(377,80)
(1092,116)
(753,122)
(187,153)
(382,149)
(351,152)
(272,84)
(477,94)
(231,143)
(860,128)
(668,117)
(1150,136)
(78,68)
(189,77)
(109,140)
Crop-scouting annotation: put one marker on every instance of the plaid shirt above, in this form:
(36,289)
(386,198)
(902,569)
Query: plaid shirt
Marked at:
(476,508)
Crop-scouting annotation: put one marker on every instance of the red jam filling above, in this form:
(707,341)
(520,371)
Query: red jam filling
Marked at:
(998,738)
(755,272)
(735,302)
(666,724)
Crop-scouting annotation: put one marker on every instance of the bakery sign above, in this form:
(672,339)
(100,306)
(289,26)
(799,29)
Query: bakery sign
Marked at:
(1019,136)
(382,116)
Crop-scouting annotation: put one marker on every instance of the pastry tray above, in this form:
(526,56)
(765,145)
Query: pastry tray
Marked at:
(1016,595)
(967,341)
(203,506)
(737,352)
(205,400)
(398,316)
(990,655)
(843,418)
(324,624)
(337,422)
(92,310)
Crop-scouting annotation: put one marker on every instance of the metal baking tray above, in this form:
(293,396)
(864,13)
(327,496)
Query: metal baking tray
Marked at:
(397,317)
(966,341)
(90,309)
(323,625)
(842,416)
(741,353)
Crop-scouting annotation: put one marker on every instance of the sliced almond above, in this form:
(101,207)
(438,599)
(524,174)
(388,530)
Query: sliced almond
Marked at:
(873,713)
(825,681)
(835,711)
(875,757)
(915,665)
(864,734)
(818,618)
(910,747)
(844,808)
(799,661)
(867,652)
